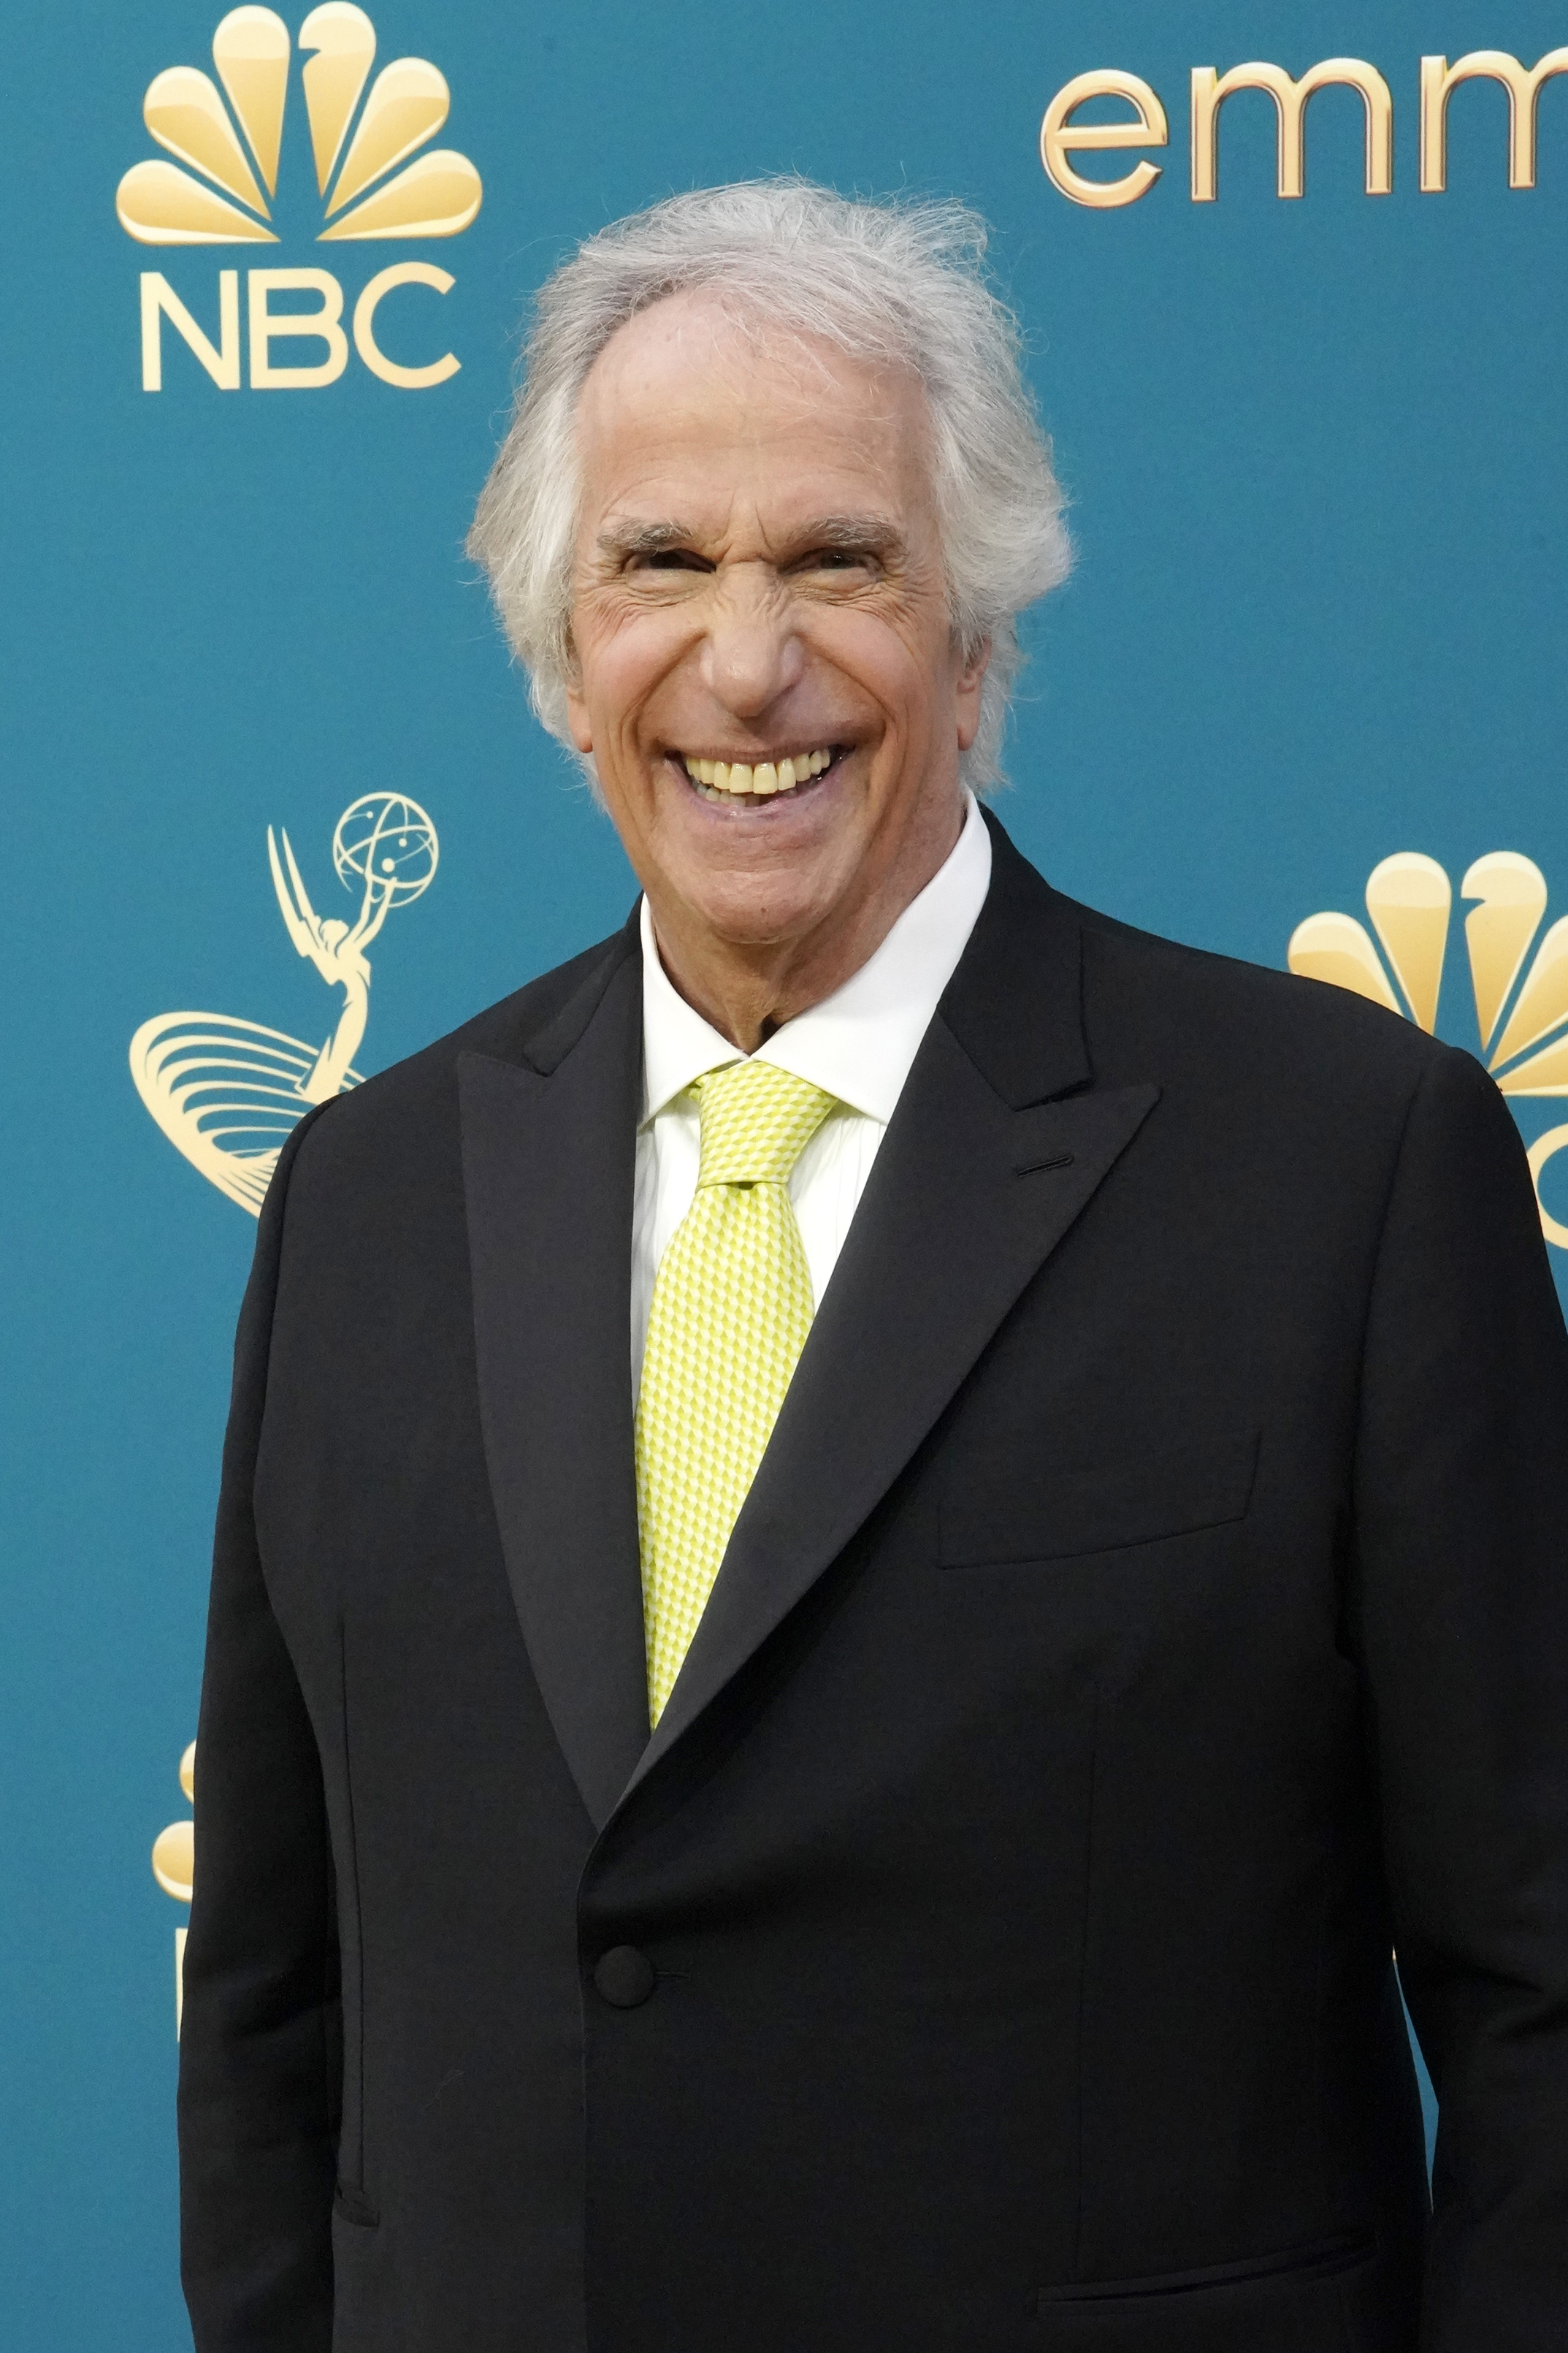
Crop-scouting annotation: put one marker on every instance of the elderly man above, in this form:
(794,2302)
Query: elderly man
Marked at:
(878,1543)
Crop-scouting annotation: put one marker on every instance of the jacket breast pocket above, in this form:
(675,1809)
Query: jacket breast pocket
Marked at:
(1001,1510)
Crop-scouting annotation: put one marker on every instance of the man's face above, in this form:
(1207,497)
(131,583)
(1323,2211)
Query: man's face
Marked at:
(758,581)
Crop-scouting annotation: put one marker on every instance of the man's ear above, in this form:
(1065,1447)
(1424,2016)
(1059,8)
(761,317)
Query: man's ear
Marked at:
(576,709)
(578,721)
(967,693)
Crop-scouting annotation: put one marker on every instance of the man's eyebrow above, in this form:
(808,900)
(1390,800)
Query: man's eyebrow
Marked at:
(876,534)
(872,534)
(622,536)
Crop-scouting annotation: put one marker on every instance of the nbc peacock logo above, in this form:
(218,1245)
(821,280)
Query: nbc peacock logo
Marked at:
(1521,1014)
(377,177)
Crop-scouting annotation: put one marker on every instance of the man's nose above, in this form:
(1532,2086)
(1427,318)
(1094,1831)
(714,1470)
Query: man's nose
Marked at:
(753,653)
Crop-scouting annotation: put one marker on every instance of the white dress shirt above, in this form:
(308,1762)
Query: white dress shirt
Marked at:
(856,1045)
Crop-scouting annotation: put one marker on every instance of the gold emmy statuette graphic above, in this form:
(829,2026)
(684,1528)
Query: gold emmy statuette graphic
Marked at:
(1524,1025)
(227,1093)
(217,191)
(173,1868)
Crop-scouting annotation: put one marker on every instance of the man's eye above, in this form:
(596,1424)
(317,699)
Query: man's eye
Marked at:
(839,559)
(673,559)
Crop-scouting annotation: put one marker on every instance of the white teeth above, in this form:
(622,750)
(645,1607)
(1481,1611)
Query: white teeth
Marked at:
(718,780)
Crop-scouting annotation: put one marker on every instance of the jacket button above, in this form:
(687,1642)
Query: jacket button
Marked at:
(624,1977)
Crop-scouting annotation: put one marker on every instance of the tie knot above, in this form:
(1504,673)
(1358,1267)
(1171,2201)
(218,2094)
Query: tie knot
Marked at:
(757,1120)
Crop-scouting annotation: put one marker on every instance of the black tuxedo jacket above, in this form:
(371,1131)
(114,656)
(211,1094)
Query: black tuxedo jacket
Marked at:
(1151,1611)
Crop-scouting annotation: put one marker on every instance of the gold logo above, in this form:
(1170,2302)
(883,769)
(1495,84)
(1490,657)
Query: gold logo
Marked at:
(173,1868)
(226,1093)
(1522,1022)
(1063,134)
(436,194)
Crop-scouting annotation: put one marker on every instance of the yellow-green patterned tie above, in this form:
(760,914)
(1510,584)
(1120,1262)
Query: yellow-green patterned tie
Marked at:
(732,1308)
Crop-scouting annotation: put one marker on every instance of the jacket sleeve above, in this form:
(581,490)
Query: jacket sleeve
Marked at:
(1461,1509)
(259,2070)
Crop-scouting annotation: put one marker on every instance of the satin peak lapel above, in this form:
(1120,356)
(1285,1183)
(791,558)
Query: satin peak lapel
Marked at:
(998,1144)
(549,1154)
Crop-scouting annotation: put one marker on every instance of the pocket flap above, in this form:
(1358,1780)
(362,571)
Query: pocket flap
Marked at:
(352,2205)
(1042,1514)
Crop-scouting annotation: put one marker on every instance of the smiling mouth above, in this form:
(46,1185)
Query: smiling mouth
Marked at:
(743,784)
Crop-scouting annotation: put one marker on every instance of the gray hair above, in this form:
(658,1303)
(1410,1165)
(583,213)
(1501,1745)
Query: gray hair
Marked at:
(899,282)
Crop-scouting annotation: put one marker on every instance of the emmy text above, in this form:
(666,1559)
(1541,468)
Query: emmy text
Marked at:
(1063,134)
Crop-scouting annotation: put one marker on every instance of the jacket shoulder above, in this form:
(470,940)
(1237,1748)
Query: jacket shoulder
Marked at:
(1203,1006)
(406,1115)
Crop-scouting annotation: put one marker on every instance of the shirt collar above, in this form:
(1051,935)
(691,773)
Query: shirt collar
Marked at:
(858,1044)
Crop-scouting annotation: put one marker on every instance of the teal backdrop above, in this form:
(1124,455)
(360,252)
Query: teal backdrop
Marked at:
(1315,451)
